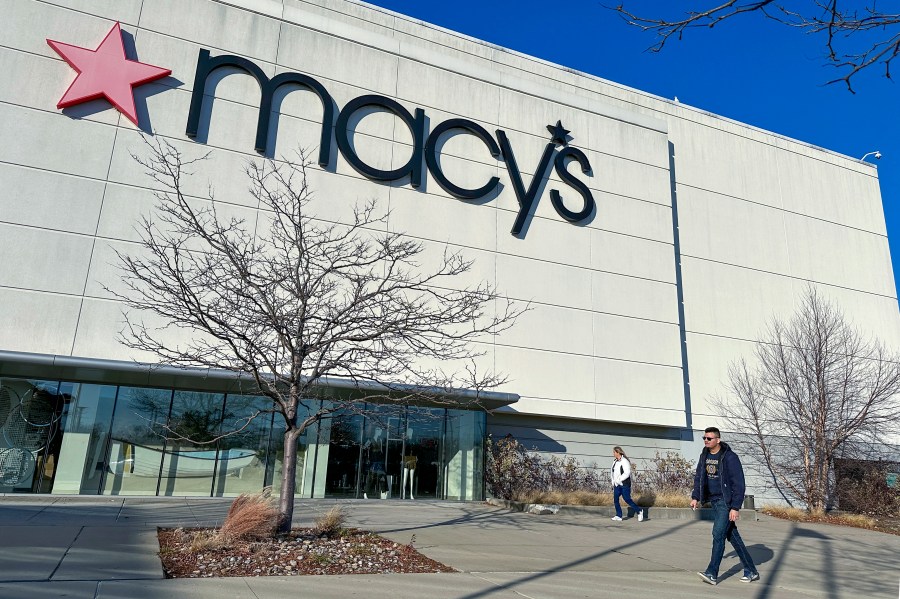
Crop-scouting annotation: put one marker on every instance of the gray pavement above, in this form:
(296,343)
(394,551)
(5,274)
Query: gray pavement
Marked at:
(105,548)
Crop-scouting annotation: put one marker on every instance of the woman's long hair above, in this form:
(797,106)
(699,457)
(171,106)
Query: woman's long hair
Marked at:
(621,452)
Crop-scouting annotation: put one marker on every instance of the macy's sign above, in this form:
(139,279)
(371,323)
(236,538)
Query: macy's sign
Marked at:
(105,72)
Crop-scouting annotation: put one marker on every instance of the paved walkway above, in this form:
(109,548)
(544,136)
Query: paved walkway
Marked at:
(105,548)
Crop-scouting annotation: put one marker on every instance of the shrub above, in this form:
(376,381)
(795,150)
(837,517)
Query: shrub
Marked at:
(511,470)
(862,487)
(671,474)
(251,516)
(331,523)
(516,474)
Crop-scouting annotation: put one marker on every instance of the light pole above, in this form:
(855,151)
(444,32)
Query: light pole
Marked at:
(876,153)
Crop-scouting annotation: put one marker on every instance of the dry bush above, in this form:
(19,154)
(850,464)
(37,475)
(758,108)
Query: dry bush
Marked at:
(251,516)
(671,474)
(515,473)
(331,522)
(863,488)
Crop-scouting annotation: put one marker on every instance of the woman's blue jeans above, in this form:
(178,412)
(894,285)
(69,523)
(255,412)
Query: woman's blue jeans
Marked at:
(625,493)
(726,530)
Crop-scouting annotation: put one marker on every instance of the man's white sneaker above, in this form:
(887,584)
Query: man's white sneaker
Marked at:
(707,578)
(616,518)
(750,577)
(641,516)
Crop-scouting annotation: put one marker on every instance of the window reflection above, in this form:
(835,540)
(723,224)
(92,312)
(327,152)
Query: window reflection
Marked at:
(424,445)
(71,438)
(137,441)
(85,431)
(31,411)
(342,459)
(464,456)
(241,461)
(189,459)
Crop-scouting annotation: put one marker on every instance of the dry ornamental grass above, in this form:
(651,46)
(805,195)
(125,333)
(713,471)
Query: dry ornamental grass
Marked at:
(643,499)
(251,516)
(888,524)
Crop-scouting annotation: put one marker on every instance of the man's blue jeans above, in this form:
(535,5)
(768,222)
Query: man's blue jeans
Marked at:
(625,493)
(724,529)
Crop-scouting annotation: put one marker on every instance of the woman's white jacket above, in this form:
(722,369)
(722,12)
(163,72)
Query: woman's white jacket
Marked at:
(620,471)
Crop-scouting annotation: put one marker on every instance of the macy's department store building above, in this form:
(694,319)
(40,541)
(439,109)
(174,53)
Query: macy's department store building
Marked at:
(653,239)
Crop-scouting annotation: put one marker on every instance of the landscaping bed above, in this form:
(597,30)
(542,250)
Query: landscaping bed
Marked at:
(303,552)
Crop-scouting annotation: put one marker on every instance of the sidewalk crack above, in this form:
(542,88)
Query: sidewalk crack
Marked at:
(75,540)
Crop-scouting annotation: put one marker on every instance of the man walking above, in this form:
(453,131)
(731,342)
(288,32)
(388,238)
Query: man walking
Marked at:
(720,480)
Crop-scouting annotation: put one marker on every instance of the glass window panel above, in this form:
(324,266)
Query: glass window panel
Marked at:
(464,455)
(339,454)
(423,453)
(189,460)
(241,464)
(31,411)
(85,430)
(381,456)
(137,441)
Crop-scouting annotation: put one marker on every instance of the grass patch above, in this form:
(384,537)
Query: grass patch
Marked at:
(651,499)
(644,499)
(332,522)
(798,515)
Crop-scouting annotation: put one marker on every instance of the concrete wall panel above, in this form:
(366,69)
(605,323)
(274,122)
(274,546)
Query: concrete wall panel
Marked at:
(50,200)
(38,322)
(44,260)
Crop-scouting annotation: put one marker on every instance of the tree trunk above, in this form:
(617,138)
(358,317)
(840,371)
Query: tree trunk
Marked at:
(288,482)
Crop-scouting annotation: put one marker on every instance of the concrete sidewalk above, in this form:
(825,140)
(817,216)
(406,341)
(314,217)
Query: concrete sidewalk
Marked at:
(105,548)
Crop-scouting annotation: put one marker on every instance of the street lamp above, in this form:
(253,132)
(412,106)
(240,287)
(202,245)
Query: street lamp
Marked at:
(876,153)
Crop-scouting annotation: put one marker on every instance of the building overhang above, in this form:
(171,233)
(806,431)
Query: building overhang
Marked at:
(139,374)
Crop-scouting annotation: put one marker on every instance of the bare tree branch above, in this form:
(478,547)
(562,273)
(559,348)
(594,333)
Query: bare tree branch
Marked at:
(817,386)
(294,302)
(857,34)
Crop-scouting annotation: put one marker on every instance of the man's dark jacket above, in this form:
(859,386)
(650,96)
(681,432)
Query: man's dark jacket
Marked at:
(730,473)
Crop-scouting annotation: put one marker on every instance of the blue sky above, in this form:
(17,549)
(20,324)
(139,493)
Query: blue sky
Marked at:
(749,69)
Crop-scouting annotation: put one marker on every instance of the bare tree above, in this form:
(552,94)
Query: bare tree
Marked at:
(293,303)
(817,386)
(857,34)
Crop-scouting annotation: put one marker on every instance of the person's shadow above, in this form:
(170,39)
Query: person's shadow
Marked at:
(760,554)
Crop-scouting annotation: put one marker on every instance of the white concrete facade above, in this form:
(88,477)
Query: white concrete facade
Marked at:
(733,220)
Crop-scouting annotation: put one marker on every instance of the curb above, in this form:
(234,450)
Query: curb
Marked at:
(651,513)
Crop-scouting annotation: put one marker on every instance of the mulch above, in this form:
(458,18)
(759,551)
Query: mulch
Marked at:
(303,552)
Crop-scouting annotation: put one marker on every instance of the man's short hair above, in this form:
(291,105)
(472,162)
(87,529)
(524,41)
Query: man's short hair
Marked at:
(713,430)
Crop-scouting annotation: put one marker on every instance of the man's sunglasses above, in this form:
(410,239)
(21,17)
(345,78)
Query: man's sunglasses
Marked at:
(708,438)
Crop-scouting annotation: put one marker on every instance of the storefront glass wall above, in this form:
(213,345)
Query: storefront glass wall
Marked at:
(76,438)
(245,459)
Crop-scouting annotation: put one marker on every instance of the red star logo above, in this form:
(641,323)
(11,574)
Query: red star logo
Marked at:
(106,73)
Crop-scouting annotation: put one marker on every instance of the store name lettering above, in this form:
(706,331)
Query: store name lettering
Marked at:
(424,147)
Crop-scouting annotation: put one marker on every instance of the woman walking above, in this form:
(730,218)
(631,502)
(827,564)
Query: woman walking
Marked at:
(621,480)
